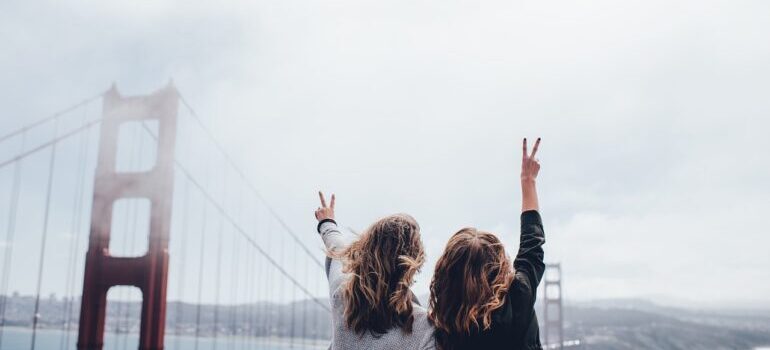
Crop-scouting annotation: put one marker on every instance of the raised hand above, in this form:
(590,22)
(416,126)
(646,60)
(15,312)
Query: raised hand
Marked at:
(530,167)
(324,212)
(529,164)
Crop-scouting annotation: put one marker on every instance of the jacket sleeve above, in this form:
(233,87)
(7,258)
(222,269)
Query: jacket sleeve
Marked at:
(529,263)
(335,240)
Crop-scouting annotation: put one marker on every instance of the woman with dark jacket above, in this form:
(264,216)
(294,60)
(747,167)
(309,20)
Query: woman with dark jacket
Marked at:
(479,299)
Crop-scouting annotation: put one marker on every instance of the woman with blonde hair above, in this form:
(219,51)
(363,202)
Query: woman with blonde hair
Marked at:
(370,277)
(479,299)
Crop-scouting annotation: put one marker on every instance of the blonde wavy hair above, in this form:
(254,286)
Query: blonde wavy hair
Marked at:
(470,282)
(382,264)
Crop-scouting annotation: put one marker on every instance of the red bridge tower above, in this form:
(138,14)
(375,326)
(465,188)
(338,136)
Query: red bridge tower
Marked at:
(149,272)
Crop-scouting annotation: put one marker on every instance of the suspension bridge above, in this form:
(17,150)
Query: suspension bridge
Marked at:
(119,203)
(129,225)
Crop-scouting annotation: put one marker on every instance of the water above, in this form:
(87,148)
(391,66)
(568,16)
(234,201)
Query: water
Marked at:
(49,339)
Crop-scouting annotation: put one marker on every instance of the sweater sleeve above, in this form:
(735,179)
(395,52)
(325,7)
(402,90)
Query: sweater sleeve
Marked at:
(529,263)
(335,240)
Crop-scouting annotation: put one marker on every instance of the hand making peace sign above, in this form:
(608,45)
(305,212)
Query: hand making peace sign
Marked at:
(324,212)
(529,164)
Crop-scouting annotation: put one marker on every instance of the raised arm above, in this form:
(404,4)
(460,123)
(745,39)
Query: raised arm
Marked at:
(529,260)
(334,239)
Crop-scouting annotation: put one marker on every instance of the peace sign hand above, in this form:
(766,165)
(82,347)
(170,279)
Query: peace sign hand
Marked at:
(529,164)
(323,212)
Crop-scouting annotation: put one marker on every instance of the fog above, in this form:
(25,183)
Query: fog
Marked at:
(654,118)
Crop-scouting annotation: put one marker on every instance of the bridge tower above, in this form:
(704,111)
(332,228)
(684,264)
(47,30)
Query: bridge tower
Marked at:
(552,308)
(149,272)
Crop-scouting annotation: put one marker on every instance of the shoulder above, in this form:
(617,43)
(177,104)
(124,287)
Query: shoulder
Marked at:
(420,316)
(520,289)
(337,292)
(422,328)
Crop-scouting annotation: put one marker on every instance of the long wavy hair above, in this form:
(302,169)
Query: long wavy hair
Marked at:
(471,281)
(382,264)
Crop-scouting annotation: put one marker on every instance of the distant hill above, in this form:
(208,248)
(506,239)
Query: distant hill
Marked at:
(640,324)
(615,324)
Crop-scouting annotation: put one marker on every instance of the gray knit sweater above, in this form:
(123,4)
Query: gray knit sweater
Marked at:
(343,338)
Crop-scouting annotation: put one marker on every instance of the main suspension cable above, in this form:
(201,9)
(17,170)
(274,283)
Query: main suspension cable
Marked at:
(50,118)
(248,183)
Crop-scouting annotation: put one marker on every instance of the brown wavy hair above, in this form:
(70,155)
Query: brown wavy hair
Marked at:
(471,281)
(382,264)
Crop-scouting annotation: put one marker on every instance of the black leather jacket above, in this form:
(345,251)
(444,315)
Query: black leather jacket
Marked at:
(514,326)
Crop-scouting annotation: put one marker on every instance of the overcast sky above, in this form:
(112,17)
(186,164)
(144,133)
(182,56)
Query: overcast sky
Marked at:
(654,117)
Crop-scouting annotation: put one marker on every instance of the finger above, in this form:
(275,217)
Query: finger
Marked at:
(524,149)
(323,201)
(534,149)
(333,199)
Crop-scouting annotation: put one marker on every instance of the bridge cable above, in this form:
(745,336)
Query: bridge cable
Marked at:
(263,290)
(245,180)
(237,262)
(49,143)
(305,306)
(271,291)
(220,243)
(77,214)
(240,230)
(44,241)
(291,318)
(183,258)
(51,117)
(281,311)
(200,258)
(9,239)
(79,229)
(247,333)
(250,295)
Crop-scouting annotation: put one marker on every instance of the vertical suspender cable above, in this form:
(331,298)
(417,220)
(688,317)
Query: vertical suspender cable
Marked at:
(75,275)
(183,258)
(218,282)
(305,305)
(9,238)
(249,298)
(268,302)
(251,294)
(78,229)
(77,213)
(200,258)
(281,317)
(233,282)
(219,264)
(236,275)
(41,260)
(261,311)
(249,185)
(291,318)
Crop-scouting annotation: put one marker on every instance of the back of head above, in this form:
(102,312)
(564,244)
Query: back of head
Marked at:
(382,264)
(470,282)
